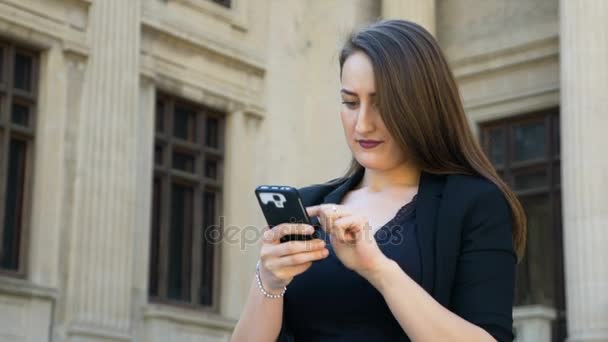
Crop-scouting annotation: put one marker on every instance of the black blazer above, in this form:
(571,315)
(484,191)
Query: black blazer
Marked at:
(468,259)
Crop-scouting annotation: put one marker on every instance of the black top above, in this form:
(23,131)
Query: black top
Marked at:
(467,259)
(329,302)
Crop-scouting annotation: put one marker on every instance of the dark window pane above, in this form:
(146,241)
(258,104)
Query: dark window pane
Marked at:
(556,136)
(23,71)
(9,259)
(557,174)
(20,114)
(536,276)
(183,161)
(155,238)
(184,123)
(3,114)
(211,168)
(177,121)
(209,205)
(160,116)
(497,146)
(210,239)
(530,180)
(529,141)
(180,243)
(158,154)
(211,133)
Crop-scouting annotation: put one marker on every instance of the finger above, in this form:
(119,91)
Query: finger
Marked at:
(271,252)
(347,228)
(328,213)
(300,258)
(298,269)
(292,271)
(295,247)
(326,209)
(339,227)
(275,234)
(314,210)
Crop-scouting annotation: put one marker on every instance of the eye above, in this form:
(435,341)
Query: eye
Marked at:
(350,104)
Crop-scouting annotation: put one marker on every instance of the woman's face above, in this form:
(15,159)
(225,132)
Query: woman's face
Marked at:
(364,129)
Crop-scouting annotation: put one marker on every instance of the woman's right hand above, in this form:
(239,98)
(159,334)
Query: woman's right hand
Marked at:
(280,262)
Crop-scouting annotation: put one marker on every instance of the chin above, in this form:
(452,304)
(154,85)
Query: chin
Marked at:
(377,161)
(371,162)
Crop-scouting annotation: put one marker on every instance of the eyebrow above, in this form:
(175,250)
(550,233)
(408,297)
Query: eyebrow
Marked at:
(348,92)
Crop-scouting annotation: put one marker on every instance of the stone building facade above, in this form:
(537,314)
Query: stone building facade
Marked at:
(125,125)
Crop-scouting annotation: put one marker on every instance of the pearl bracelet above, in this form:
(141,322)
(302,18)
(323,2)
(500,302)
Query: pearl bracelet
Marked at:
(259,281)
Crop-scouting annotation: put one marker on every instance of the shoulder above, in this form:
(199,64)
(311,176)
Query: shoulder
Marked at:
(470,186)
(471,191)
(474,200)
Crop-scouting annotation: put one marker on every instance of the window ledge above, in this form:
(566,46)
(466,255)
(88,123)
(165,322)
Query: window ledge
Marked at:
(24,288)
(188,316)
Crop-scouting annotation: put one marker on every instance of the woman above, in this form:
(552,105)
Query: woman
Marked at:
(420,239)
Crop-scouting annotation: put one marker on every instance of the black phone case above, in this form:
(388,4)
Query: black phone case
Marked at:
(282,204)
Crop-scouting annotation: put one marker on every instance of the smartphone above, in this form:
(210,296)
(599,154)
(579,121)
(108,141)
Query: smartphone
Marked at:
(282,204)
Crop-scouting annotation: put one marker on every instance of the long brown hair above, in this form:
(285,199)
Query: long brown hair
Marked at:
(418,100)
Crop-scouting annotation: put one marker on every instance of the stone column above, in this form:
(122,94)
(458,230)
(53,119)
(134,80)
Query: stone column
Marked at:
(533,323)
(241,227)
(145,164)
(584,121)
(100,262)
(419,11)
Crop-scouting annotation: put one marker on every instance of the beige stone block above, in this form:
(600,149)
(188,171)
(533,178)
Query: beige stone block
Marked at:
(421,12)
(468,28)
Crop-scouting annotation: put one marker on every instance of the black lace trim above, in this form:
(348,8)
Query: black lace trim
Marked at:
(405,211)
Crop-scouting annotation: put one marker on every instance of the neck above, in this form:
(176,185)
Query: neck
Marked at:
(403,175)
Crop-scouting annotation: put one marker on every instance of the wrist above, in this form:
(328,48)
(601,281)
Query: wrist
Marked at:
(268,281)
(380,275)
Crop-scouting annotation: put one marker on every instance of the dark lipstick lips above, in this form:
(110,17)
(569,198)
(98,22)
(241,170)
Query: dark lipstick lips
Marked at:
(369,143)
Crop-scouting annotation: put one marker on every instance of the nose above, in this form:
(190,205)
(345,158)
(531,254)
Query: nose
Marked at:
(365,119)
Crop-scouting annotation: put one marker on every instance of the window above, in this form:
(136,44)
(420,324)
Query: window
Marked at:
(526,153)
(18,99)
(225,3)
(186,203)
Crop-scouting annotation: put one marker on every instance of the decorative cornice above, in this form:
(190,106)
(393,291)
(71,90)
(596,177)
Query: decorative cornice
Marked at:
(74,48)
(254,110)
(86,2)
(214,93)
(504,58)
(494,100)
(241,56)
(48,30)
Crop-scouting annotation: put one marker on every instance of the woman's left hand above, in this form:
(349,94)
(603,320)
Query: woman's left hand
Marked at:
(351,237)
